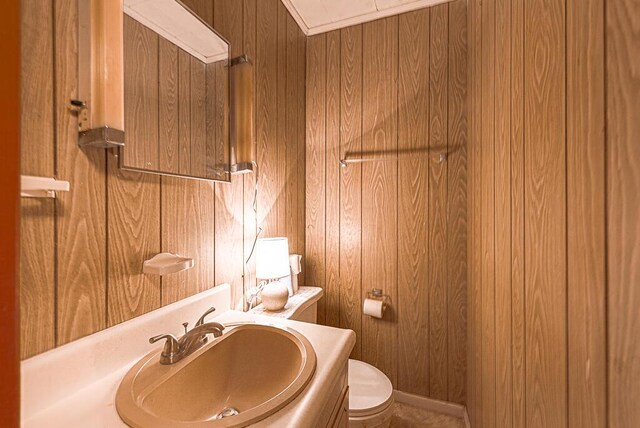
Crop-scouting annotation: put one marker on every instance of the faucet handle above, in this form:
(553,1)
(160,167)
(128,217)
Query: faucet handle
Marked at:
(171,346)
(201,320)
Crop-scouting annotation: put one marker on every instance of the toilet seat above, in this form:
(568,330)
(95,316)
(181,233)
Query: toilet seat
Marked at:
(370,391)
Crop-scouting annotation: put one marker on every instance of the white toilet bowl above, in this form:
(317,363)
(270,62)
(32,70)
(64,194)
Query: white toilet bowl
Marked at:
(370,390)
(370,396)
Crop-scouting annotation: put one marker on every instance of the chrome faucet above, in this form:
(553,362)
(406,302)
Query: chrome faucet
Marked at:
(177,349)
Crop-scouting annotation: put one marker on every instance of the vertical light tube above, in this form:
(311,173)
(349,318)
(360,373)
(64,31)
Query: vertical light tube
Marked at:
(243,143)
(101,50)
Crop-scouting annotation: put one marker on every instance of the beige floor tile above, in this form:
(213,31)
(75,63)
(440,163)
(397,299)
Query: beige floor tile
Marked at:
(405,416)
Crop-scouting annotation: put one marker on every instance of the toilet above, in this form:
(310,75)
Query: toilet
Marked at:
(370,396)
(370,390)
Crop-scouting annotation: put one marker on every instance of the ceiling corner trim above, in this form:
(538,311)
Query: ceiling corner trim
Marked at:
(402,7)
(296,16)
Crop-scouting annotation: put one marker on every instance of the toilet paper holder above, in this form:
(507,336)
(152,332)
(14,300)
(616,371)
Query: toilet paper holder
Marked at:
(377,293)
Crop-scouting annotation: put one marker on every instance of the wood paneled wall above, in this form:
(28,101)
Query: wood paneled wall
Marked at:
(82,254)
(392,87)
(553,211)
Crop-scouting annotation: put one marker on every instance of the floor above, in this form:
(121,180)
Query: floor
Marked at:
(405,416)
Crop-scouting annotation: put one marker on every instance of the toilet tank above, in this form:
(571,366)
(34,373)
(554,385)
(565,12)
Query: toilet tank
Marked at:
(302,306)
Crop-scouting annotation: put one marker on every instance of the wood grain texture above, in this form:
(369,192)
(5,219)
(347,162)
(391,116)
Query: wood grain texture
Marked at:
(518,345)
(413,203)
(184,111)
(133,215)
(188,229)
(351,185)
(474,295)
(487,204)
(229,227)
(197,101)
(143,216)
(540,178)
(382,74)
(279,146)
(457,204)
(545,214)
(315,166)
(80,216)
(168,134)
(203,8)
(332,181)
(502,207)
(586,226)
(623,206)
(437,200)
(294,116)
(380,196)
(37,228)
(141,95)
(301,159)
(267,114)
(249,22)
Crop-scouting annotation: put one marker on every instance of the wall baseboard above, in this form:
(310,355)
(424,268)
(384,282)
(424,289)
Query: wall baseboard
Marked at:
(453,409)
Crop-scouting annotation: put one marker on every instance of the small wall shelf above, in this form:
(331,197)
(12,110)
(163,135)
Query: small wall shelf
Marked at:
(41,187)
(166,263)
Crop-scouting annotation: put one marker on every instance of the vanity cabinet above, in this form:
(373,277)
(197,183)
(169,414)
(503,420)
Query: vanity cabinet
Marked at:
(336,410)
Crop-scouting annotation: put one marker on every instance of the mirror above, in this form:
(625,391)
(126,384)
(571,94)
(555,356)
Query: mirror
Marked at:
(176,82)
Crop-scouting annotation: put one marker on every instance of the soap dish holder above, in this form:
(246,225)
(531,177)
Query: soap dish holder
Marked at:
(166,263)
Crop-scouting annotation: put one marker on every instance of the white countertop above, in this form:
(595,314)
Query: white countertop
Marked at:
(305,297)
(86,392)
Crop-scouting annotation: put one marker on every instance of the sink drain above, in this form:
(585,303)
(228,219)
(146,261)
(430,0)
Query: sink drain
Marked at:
(225,413)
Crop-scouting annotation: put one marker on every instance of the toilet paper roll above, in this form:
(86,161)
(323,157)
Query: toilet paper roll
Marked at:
(373,308)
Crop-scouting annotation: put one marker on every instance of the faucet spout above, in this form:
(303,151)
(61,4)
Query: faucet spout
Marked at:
(177,349)
(193,339)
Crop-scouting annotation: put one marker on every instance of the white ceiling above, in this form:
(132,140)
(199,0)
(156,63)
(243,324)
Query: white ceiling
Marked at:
(319,16)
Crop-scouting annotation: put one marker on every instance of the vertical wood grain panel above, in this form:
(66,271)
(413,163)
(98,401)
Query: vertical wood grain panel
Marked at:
(332,181)
(267,115)
(168,140)
(487,205)
(517,215)
(545,214)
(279,148)
(198,121)
(380,196)
(249,22)
(623,206)
(474,325)
(202,8)
(586,211)
(188,228)
(133,208)
(37,229)
(141,94)
(293,116)
(351,184)
(502,207)
(301,161)
(184,111)
(133,229)
(457,204)
(229,197)
(413,204)
(437,241)
(315,166)
(81,291)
